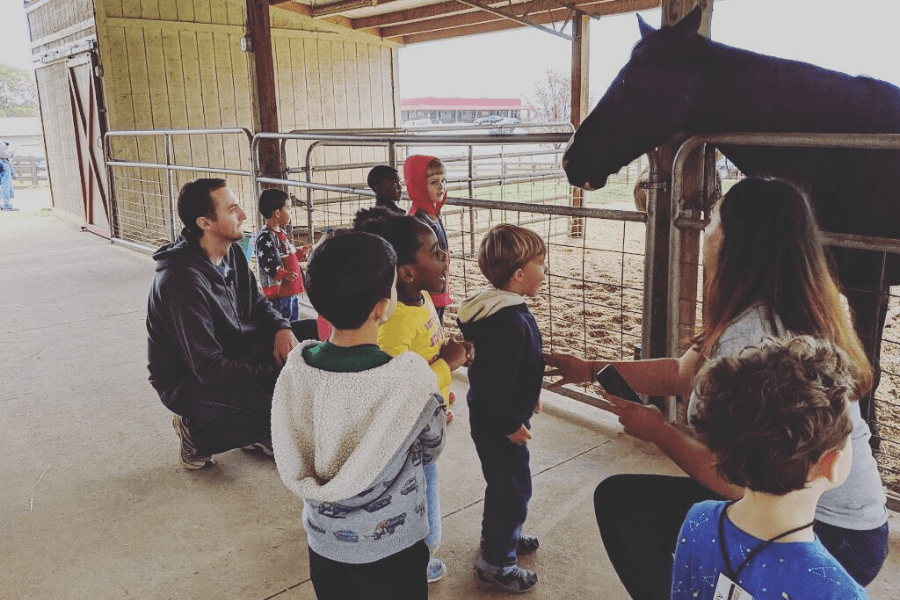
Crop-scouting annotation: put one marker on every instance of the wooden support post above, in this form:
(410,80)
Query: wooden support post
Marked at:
(581,45)
(262,84)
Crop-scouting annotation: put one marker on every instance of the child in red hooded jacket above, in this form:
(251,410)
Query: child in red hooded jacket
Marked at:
(426,185)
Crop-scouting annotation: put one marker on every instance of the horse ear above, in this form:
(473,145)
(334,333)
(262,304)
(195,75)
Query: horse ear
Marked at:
(691,22)
(645,29)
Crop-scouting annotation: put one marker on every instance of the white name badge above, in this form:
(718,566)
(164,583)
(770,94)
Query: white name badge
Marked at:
(726,589)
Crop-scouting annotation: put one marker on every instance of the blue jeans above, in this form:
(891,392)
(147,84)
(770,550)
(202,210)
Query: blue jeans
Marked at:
(6,184)
(862,553)
(433,500)
(288,307)
(508,477)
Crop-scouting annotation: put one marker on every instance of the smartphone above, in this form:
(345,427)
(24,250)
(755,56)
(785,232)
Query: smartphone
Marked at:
(613,382)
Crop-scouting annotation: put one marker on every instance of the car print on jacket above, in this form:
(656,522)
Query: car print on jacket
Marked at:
(377,504)
(388,527)
(333,510)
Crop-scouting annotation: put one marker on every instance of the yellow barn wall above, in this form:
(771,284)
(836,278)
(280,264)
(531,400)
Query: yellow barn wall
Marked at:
(179,65)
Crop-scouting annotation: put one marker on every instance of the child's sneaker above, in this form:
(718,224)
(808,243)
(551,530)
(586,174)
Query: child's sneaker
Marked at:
(517,581)
(436,570)
(527,544)
(451,398)
(191,459)
(449,416)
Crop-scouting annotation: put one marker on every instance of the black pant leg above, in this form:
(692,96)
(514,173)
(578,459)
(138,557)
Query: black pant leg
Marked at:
(639,518)
(400,576)
(221,419)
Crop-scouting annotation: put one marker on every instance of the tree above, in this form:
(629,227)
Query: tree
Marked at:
(18,93)
(553,97)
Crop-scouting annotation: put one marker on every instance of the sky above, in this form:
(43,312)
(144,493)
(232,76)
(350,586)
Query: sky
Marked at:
(853,36)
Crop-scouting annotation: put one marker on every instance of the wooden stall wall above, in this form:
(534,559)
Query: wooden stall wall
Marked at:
(326,81)
(179,65)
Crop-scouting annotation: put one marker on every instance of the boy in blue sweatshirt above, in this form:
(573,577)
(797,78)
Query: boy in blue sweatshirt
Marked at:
(352,429)
(504,392)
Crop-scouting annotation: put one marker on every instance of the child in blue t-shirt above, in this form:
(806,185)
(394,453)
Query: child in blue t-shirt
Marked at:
(777,419)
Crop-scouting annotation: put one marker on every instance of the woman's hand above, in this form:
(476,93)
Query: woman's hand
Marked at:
(572,369)
(643,422)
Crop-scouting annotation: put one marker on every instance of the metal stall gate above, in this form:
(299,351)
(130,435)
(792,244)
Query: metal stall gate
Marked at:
(147,168)
(592,302)
(883,413)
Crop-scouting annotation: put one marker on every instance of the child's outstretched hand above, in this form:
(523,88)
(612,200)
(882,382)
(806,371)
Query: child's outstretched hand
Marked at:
(289,276)
(456,353)
(521,436)
(303,252)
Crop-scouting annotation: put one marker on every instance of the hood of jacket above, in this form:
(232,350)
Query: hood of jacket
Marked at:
(486,303)
(185,250)
(415,172)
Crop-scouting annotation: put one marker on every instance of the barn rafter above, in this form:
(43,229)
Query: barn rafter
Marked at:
(415,21)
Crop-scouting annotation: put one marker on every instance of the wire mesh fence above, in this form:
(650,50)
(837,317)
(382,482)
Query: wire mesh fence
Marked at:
(592,302)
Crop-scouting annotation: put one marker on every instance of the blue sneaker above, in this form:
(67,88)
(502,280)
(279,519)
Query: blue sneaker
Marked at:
(436,570)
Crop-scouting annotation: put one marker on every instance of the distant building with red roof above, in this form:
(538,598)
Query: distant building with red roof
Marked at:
(461,110)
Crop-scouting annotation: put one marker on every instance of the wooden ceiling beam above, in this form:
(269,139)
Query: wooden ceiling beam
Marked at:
(455,19)
(536,11)
(440,17)
(294,7)
(557,15)
(413,14)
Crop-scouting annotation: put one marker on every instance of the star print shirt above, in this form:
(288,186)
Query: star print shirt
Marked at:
(780,571)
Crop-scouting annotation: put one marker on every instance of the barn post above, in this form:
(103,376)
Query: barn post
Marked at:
(264,104)
(581,45)
(661,233)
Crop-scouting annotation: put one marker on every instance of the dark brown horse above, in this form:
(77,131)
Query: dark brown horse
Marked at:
(678,81)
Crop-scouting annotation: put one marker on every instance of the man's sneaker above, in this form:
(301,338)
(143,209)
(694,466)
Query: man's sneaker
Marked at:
(264,447)
(436,570)
(190,458)
(527,544)
(517,581)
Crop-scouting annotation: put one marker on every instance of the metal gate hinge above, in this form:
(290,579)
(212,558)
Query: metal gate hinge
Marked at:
(654,185)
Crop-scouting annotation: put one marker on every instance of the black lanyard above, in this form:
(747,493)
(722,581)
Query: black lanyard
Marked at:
(729,571)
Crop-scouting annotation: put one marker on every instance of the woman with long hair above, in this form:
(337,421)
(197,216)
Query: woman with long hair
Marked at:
(767,274)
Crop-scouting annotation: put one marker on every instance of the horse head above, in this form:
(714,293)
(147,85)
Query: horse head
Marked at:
(650,100)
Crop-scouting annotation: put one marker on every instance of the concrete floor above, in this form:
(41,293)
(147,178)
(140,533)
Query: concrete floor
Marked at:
(95,505)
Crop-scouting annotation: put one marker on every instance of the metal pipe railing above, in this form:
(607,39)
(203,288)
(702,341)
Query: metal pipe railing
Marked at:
(856,141)
(167,136)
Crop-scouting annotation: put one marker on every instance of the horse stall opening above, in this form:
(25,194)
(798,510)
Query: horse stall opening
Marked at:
(592,301)
(882,411)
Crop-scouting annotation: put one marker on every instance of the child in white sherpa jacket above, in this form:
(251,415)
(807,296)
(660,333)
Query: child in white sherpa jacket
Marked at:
(352,428)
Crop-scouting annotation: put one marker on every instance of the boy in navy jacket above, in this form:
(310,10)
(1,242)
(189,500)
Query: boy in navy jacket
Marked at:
(504,392)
